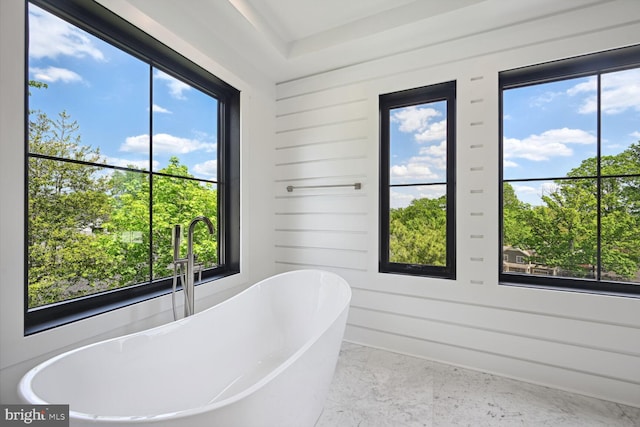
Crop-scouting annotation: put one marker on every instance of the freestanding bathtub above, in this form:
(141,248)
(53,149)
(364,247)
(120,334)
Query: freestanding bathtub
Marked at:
(265,357)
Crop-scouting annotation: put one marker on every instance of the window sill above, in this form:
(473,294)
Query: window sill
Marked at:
(417,270)
(610,289)
(51,316)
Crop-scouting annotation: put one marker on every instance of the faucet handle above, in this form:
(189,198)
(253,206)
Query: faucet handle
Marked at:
(176,239)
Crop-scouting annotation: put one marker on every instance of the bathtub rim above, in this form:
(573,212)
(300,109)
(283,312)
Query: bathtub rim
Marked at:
(26,392)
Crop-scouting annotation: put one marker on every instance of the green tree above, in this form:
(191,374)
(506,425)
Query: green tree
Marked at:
(177,199)
(564,231)
(418,232)
(516,219)
(89,230)
(619,207)
(67,206)
(129,226)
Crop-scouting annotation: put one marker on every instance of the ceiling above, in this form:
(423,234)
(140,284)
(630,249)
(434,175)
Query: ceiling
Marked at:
(289,39)
(298,27)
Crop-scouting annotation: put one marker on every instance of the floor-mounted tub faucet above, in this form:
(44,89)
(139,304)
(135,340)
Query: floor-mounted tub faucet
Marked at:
(188,264)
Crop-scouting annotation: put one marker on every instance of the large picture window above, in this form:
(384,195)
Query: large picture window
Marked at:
(570,174)
(417,181)
(125,139)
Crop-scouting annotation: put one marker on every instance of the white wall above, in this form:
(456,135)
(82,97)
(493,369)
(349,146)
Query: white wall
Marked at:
(327,133)
(19,353)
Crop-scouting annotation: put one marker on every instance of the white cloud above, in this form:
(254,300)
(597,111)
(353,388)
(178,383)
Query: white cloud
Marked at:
(414,119)
(136,144)
(430,161)
(175,86)
(412,170)
(54,74)
(533,195)
(51,37)
(434,132)
(620,92)
(403,198)
(208,169)
(400,200)
(547,188)
(545,98)
(551,143)
(159,109)
(436,155)
(588,86)
(165,144)
(525,189)
(544,188)
(429,164)
(635,134)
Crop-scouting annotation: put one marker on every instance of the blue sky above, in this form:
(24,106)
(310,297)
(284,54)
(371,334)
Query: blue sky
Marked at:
(107,92)
(551,128)
(418,151)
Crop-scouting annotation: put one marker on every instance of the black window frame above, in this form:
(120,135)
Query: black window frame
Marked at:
(593,64)
(445,91)
(106,25)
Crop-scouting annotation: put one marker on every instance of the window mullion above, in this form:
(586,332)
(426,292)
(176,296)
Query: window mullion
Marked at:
(598,271)
(150,173)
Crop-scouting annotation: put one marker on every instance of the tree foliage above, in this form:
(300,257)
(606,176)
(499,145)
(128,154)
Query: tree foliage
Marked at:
(89,227)
(418,232)
(67,203)
(515,218)
(563,231)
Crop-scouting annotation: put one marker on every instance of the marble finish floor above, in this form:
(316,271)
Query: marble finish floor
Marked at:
(374,388)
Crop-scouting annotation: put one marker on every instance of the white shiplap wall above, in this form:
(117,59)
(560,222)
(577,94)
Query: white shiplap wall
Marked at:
(321,139)
(327,133)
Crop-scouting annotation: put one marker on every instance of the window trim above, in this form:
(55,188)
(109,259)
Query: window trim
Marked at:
(593,64)
(445,91)
(104,24)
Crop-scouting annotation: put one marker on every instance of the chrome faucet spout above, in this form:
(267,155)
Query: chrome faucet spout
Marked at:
(185,268)
(189,307)
(192,227)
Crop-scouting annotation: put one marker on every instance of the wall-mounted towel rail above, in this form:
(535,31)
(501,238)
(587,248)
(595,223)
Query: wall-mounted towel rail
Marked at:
(356,186)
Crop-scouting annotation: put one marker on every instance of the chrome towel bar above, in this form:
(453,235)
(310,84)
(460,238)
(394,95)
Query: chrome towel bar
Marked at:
(356,186)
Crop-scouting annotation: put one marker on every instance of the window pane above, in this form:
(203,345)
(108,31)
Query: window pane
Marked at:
(418,143)
(549,129)
(185,127)
(621,229)
(179,201)
(87,231)
(418,225)
(92,88)
(553,226)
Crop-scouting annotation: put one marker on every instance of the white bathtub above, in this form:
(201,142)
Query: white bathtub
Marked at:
(265,357)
